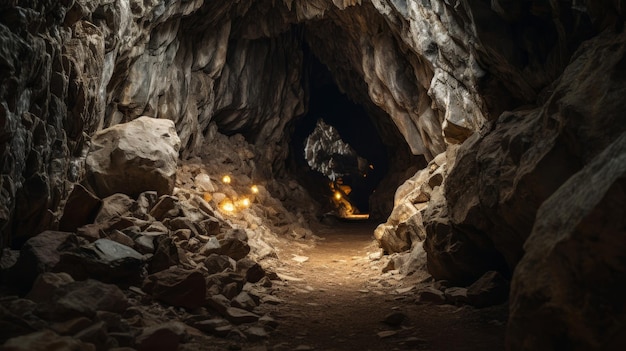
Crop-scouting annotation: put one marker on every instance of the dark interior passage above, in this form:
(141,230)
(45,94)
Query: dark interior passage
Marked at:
(353,123)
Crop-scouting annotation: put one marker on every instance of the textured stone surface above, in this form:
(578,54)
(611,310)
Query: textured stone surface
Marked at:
(134,157)
(43,340)
(103,259)
(80,209)
(40,254)
(567,290)
(162,337)
(177,287)
(439,70)
(82,298)
(499,180)
(44,285)
(490,289)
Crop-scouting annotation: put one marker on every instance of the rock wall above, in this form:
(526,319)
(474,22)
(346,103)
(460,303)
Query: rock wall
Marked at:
(438,69)
(75,66)
(444,71)
(517,197)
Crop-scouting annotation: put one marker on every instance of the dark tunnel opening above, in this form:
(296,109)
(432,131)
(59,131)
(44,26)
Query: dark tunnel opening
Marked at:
(326,102)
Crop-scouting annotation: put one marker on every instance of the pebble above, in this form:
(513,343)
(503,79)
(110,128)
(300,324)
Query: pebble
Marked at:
(300,259)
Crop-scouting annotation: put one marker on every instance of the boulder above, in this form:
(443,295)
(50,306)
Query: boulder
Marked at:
(14,323)
(113,207)
(218,263)
(456,295)
(165,255)
(203,183)
(233,244)
(219,303)
(177,287)
(210,226)
(183,223)
(256,333)
(249,269)
(144,244)
(568,290)
(8,258)
(166,207)
(97,335)
(389,241)
(430,295)
(451,254)
(145,202)
(134,157)
(165,337)
(243,301)
(103,259)
(211,325)
(81,208)
(238,316)
(502,176)
(71,326)
(82,299)
(120,238)
(39,254)
(46,283)
(490,289)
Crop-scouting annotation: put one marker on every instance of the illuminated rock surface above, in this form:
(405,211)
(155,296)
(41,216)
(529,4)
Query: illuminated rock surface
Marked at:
(513,104)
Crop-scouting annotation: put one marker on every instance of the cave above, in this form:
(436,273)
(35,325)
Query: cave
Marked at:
(327,103)
(182,175)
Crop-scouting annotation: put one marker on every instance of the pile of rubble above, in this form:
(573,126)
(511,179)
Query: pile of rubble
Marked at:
(152,270)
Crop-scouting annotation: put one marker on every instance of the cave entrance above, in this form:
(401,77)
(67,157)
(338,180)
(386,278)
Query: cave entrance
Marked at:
(336,149)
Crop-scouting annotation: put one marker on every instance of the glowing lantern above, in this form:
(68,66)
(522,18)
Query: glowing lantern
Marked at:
(245,202)
(254,189)
(227,206)
(338,195)
(226,179)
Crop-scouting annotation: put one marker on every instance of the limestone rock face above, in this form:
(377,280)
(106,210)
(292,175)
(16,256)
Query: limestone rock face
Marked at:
(501,178)
(443,72)
(491,188)
(134,157)
(438,69)
(573,268)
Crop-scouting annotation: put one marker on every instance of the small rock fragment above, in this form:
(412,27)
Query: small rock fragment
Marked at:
(394,319)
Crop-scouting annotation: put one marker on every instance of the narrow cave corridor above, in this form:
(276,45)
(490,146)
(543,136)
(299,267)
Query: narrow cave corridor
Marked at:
(328,103)
(172,171)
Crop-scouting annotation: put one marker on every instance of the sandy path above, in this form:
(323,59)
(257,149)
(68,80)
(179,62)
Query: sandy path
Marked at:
(336,300)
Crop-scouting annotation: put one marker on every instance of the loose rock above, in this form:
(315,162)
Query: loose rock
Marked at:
(134,157)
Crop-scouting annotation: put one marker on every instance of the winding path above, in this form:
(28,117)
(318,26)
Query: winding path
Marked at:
(334,298)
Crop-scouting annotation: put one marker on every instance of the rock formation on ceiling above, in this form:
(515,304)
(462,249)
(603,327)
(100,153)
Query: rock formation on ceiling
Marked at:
(443,72)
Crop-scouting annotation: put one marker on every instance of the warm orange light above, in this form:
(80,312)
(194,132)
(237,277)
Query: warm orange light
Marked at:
(227,206)
(226,179)
(254,189)
(207,197)
(245,202)
(371,166)
(338,195)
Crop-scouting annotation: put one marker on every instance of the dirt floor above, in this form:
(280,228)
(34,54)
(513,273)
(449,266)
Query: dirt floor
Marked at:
(334,298)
